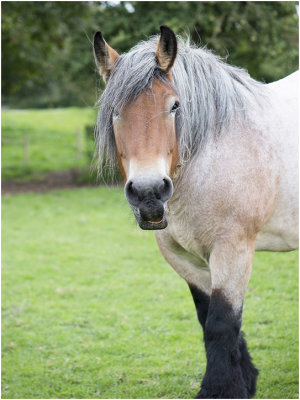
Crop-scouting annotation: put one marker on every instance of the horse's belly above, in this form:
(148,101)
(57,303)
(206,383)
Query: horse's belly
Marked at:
(281,231)
(280,240)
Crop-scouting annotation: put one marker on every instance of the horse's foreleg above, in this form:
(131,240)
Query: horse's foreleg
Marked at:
(229,372)
(249,372)
(201,300)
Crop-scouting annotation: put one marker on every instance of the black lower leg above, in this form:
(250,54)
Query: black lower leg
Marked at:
(201,301)
(250,373)
(224,377)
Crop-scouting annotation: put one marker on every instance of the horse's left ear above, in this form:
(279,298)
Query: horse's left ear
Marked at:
(166,49)
(105,56)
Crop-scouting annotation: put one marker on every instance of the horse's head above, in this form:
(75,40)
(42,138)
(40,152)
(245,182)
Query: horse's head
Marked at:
(145,134)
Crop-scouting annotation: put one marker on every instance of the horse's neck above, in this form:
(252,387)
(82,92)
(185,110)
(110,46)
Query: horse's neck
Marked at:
(210,166)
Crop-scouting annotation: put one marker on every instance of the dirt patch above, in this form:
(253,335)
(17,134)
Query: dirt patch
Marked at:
(52,180)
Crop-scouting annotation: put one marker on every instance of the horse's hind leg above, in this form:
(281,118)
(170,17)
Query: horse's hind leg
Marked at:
(229,372)
(249,372)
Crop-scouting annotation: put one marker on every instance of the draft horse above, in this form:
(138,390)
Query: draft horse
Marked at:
(209,157)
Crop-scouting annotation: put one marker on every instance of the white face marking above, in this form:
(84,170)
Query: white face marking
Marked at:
(146,171)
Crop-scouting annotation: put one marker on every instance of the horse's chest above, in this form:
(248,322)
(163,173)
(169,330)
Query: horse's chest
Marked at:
(189,234)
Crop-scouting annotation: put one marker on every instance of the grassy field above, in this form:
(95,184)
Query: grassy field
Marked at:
(39,141)
(91,309)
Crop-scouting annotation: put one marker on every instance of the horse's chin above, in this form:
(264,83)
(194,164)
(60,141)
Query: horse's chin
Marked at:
(159,221)
(151,225)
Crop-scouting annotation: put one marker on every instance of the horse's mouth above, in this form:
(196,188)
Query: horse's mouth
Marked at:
(158,222)
(152,225)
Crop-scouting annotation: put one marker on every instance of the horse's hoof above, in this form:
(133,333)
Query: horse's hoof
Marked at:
(207,394)
(203,395)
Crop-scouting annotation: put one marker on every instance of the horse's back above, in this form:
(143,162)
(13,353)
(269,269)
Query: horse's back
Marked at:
(287,86)
(284,97)
(281,230)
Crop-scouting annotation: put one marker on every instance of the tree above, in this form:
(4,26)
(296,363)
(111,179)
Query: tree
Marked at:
(259,36)
(41,52)
(47,57)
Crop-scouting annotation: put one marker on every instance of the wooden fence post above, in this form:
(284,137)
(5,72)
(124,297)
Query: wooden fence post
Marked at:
(26,149)
(79,145)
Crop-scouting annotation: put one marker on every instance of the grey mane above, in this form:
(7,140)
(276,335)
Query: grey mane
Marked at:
(213,95)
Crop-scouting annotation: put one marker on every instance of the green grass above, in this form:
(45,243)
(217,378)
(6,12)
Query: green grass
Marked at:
(91,309)
(53,137)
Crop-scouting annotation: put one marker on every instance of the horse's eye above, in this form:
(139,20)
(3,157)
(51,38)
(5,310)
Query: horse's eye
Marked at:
(175,107)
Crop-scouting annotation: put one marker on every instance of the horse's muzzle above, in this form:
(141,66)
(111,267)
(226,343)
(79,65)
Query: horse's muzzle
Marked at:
(151,218)
(148,201)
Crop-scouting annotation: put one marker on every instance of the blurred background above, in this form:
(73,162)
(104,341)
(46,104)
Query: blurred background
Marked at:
(50,84)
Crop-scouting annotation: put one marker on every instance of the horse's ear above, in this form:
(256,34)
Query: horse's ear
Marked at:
(105,56)
(166,49)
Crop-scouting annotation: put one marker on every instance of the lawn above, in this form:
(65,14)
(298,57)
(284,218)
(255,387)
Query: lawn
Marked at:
(91,309)
(38,141)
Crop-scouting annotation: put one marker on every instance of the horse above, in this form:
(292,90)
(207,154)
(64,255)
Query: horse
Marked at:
(209,160)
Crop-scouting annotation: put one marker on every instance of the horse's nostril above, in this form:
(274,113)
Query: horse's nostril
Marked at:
(167,183)
(130,188)
(166,189)
(131,193)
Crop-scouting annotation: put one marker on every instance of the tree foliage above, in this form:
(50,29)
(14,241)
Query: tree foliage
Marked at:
(47,55)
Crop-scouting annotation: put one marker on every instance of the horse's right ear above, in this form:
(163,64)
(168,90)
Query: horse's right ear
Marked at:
(105,56)
(166,49)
